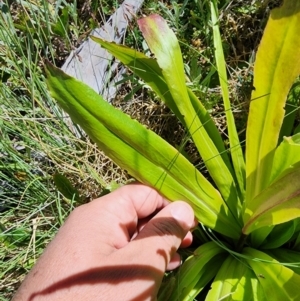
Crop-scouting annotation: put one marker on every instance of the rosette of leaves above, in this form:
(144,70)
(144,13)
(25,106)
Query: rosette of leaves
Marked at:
(251,250)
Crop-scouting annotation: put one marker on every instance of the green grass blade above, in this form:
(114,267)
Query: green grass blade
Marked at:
(276,67)
(234,142)
(146,156)
(164,44)
(278,282)
(278,203)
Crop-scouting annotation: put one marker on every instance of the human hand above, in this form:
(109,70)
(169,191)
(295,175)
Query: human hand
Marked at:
(116,247)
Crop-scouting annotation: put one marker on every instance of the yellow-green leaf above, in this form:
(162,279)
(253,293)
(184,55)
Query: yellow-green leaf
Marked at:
(286,155)
(147,157)
(278,203)
(278,282)
(164,44)
(149,71)
(235,281)
(197,271)
(276,68)
(290,258)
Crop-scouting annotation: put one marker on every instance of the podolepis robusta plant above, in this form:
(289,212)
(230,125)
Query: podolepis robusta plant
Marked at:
(250,216)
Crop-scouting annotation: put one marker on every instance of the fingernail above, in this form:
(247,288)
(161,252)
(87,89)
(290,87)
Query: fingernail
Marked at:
(183,213)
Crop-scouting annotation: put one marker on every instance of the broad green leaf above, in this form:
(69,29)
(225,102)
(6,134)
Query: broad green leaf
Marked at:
(144,67)
(209,272)
(297,129)
(197,271)
(279,235)
(234,142)
(167,287)
(288,258)
(164,44)
(235,281)
(210,128)
(145,155)
(297,224)
(291,108)
(276,68)
(296,238)
(296,245)
(259,235)
(149,71)
(286,155)
(278,203)
(278,282)
(257,291)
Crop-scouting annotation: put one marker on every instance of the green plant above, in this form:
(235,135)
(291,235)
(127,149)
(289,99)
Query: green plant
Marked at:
(250,229)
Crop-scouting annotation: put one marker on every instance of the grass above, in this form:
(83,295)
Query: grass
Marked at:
(36,141)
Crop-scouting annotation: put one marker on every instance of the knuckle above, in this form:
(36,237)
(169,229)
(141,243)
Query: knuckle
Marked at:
(167,228)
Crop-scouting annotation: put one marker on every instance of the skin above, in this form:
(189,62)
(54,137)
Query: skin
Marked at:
(116,247)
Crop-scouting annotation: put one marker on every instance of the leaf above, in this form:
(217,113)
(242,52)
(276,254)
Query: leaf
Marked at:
(61,26)
(257,290)
(297,129)
(291,109)
(146,156)
(235,281)
(65,187)
(197,271)
(13,237)
(276,67)
(286,155)
(277,204)
(164,44)
(167,287)
(145,67)
(234,142)
(278,282)
(210,128)
(279,235)
(289,258)
(296,245)
(149,71)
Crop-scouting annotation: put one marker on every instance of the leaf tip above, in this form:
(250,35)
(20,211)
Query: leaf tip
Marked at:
(152,21)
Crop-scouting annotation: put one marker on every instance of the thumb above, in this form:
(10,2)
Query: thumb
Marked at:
(160,238)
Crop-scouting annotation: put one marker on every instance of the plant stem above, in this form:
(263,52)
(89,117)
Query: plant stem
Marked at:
(241,242)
